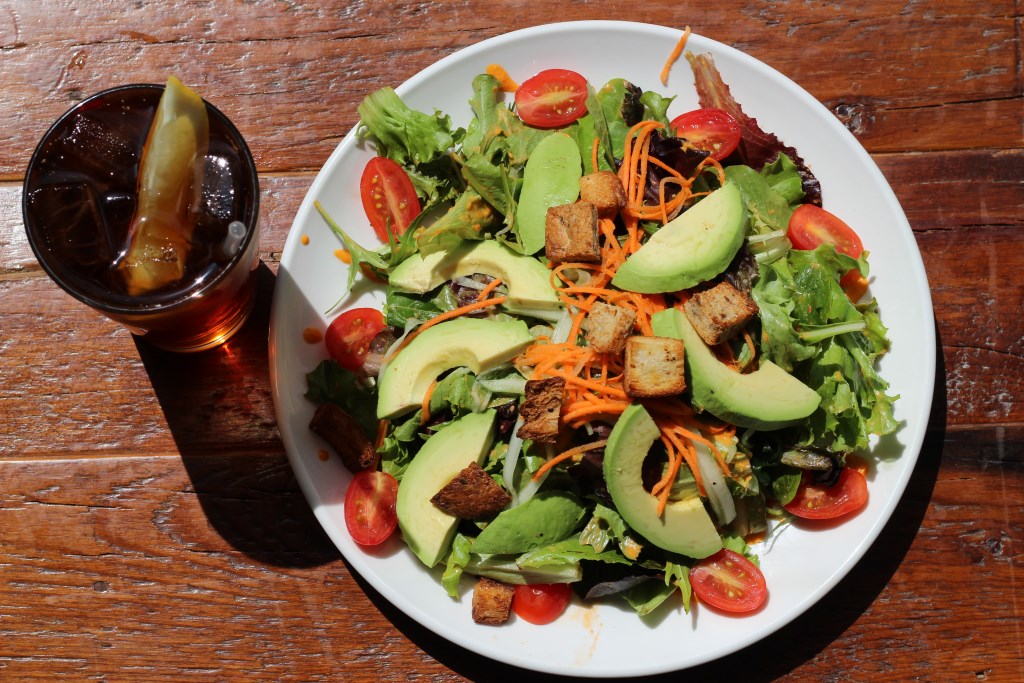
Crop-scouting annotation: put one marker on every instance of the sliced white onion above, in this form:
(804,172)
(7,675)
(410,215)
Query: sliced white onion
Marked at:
(562,328)
(513,384)
(468,282)
(531,486)
(515,449)
(715,485)
(410,325)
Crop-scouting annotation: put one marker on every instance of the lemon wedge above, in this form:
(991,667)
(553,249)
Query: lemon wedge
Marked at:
(168,188)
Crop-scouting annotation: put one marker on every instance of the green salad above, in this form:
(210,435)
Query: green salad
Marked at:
(614,346)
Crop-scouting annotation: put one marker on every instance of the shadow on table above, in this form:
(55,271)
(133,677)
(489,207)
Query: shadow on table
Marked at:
(802,639)
(219,410)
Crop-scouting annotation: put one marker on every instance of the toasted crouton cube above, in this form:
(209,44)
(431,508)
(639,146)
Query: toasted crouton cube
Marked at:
(654,367)
(492,602)
(472,494)
(541,409)
(608,326)
(719,313)
(570,233)
(345,436)
(604,190)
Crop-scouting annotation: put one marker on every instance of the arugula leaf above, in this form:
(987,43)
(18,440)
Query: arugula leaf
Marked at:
(328,382)
(359,254)
(399,307)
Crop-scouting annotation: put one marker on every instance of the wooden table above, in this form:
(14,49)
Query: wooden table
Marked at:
(150,526)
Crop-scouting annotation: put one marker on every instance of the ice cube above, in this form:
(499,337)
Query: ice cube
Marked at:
(218,198)
(74,229)
(95,145)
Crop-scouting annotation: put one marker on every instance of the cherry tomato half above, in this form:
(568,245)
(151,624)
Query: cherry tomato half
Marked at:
(370,507)
(541,603)
(729,582)
(552,98)
(349,335)
(814,501)
(389,199)
(711,130)
(810,226)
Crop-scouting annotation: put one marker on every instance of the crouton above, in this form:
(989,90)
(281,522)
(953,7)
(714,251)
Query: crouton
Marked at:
(654,367)
(608,326)
(719,313)
(604,190)
(345,436)
(570,233)
(541,409)
(492,602)
(472,494)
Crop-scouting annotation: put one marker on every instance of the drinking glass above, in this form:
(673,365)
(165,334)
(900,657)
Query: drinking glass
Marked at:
(80,196)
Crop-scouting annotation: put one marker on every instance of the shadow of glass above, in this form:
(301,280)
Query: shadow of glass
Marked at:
(801,640)
(219,409)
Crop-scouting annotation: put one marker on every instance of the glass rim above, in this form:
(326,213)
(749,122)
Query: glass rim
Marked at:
(43,255)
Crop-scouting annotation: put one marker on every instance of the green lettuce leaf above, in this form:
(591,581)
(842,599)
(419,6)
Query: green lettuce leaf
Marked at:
(405,135)
(328,382)
(812,329)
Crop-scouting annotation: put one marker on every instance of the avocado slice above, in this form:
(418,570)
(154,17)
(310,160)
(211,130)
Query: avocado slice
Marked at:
(768,398)
(475,343)
(694,247)
(548,517)
(685,526)
(427,530)
(528,281)
(551,178)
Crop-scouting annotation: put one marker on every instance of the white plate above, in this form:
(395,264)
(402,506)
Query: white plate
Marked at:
(801,565)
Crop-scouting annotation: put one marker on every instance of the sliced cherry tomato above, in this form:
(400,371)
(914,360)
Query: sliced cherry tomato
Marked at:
(814,501)
(389,199)
(729,582)
(810,226)
(541,603)
(552,98)
(349,335)
(711,130)
(370,507)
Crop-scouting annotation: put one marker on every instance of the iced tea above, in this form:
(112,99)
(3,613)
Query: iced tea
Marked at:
(79,200)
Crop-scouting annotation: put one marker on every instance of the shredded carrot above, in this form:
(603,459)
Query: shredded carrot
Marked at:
(593,155)
(676,51)
(593,387)
(425,403)
(491,286)
(562,457)
(504,80)
(447,315)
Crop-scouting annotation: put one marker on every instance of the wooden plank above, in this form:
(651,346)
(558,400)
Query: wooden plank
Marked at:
(965,59)
(215,568)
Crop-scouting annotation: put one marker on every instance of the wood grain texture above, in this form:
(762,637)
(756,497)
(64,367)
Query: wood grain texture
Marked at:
(151,528)
(214,568)
(947,78)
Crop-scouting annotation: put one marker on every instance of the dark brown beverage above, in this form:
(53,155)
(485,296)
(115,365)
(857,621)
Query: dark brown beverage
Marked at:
(79,200)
